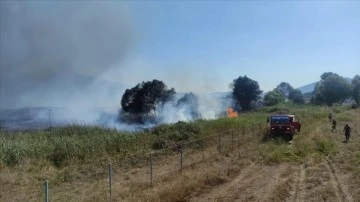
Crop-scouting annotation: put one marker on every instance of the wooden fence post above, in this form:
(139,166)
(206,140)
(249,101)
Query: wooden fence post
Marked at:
(253,131)
(181,157)
(232,139)
(203,149)
(243,134)
(260,129)
(151,170)
(110,180)
(46,190)
(219,143)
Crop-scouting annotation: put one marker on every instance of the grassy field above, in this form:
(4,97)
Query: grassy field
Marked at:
(75,159)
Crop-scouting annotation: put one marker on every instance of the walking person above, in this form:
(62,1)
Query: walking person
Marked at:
(347,131)
(333,124)
(330,117)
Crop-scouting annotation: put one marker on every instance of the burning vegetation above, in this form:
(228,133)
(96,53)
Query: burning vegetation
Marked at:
(231,113)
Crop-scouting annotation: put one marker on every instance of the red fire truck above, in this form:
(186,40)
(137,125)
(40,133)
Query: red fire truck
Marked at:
(284,124)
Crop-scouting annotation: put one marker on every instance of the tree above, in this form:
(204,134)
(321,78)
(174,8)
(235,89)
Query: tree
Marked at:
(332,88)
(146,97)
(356,88)
(326,75)
(296,96)
(245,90)
(273,97)
(317,98)
(284,88)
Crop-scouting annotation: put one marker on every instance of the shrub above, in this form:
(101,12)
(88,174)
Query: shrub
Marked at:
(180,131)
(325,145)
(10,156)
(58,156)
(158,144)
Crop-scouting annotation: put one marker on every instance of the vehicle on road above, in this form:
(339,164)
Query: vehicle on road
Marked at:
(284,124)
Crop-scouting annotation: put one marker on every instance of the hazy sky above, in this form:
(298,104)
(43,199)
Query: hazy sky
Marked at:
(193,46)
(204,45)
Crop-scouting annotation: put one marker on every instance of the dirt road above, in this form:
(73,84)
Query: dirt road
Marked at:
(323,178)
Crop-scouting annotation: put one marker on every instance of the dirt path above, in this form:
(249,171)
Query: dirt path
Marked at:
(312,181)
(256,182)
(317,179)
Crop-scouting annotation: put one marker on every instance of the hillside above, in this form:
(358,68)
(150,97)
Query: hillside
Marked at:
(310,87)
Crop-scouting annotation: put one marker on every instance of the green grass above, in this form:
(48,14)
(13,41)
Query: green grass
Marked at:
(62,145)
(65,144)
(308,142)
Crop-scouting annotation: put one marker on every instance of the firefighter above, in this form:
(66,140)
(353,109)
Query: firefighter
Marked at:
(333,125)
(330,117)
(347,131)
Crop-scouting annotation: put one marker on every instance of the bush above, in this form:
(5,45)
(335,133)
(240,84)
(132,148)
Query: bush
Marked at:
(180,131)
(354,105)
(10,156)
(325,146)
(158,144)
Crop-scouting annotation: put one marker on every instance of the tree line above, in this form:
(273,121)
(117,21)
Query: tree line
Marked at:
(146,98)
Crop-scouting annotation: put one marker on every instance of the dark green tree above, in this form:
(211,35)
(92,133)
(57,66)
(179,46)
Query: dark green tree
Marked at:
(273,97)
(317,97)
(356,88)
(244,91)
(332,88)
(327,74)
(284,88)
(296,96)
(146,97)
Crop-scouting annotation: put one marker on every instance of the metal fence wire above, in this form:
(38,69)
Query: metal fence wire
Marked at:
(146,169)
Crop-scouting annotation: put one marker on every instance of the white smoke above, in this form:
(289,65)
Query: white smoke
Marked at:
(56,56)
(48,48)
(210,106)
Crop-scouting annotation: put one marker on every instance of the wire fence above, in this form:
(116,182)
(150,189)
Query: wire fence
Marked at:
(143,170)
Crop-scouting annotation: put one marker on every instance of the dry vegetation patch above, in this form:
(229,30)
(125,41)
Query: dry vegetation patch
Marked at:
(246,166)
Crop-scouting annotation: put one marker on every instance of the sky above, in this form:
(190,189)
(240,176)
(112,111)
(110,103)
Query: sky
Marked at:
(204,45)
(192,46)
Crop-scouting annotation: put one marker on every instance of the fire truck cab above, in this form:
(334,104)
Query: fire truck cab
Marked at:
(284,124)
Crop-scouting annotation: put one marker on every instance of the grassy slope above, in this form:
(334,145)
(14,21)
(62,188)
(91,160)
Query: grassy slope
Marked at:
(74,158)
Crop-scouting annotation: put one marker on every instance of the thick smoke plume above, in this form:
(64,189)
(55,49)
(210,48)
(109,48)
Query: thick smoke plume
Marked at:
(52,54)
(47,46)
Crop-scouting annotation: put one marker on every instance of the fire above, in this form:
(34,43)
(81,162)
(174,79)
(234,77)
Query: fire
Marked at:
(231,113)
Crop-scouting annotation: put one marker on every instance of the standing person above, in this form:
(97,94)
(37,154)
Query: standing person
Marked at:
(347,131)
(330,117)
(333,123)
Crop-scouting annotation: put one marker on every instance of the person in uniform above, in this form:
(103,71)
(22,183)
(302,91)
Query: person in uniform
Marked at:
(347,131)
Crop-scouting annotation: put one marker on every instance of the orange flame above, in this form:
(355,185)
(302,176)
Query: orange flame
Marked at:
(231,113)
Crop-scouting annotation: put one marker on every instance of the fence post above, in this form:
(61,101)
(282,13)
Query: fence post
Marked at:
(232,139)
(110,182)
(151,170)
(238,134)
(46,190)
(253,131)
(203,149)
(181,157)
(260,129)
(219,143)
(243,134)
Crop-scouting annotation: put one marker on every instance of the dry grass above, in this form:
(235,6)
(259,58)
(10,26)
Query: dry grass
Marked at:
(86,181)
(204,168)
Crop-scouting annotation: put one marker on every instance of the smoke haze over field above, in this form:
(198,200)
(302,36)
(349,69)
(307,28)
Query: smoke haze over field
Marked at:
(82,55)
(53,55)
(45,45)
